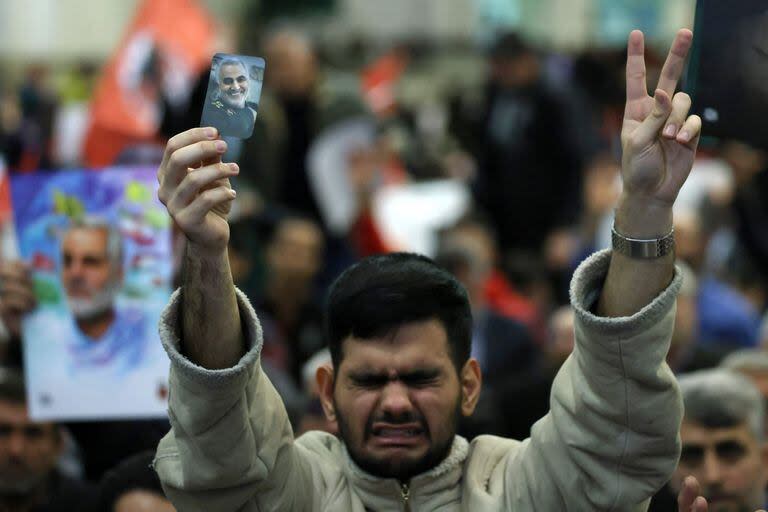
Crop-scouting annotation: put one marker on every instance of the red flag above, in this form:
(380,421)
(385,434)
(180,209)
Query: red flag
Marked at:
(167,46)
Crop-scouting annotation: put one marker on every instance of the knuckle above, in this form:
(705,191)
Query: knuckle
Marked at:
(175,160)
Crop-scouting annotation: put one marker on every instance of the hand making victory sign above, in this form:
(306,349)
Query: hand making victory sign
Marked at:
(658,136)
(659,141)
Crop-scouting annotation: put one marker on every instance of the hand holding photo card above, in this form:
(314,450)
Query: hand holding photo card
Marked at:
(232,100)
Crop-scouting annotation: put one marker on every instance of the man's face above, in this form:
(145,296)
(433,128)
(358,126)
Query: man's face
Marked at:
(397,400)
(28,450)
(233,85)
(88,274)
(296,251)
(143,501)
(729,464)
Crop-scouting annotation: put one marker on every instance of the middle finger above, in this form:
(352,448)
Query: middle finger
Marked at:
(673,66)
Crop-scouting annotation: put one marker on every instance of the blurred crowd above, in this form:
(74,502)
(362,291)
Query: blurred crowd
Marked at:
(533,143)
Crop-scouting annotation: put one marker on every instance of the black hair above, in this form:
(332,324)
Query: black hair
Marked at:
(509,45)
(133,474)
(380,293)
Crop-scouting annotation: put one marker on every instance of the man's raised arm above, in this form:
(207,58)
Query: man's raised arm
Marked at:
(198,197)
(615,410)
(659,142)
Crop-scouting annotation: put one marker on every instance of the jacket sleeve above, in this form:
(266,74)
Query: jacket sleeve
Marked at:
(231,445)
(611,438)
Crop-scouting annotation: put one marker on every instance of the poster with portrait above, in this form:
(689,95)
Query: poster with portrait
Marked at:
(232,99)
(99,245)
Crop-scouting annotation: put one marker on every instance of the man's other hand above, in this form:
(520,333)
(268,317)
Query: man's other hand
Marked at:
(17,296)
(194,186)
(690,498)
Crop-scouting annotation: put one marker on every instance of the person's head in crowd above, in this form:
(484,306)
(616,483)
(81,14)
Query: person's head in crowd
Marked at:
(465,266)
(686,318)
(133,486)
(29,450)
(744,160)
(294,252)
(92,272)
(743,273)
(233,83)
(293,69)
(690,238)
(528,273)
(514,64)
(399,331)
(723,440)
(474,233)
(562,336)
(752,363)
(601,188)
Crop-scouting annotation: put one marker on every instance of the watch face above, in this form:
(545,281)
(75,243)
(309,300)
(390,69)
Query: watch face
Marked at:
(728,76)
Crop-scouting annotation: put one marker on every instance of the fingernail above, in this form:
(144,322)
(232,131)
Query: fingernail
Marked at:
(210,133)
(232,192)
(234,167)
(670,130)
(221,146)
(684,136)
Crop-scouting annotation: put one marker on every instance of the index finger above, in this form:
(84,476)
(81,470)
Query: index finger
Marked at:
(636,87)
(186,138)
(673,66)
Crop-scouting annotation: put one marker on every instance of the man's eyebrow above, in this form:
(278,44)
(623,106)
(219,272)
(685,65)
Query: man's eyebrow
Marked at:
(410,375)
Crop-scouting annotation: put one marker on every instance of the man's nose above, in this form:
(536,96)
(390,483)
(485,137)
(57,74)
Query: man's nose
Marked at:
(712,470)
(17,444)
(395,400)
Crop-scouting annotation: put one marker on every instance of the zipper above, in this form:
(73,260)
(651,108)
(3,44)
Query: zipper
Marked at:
(405,492)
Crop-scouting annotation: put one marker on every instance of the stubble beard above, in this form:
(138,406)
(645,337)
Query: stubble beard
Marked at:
(404,469)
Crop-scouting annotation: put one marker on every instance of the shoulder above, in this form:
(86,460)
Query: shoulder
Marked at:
(321,443)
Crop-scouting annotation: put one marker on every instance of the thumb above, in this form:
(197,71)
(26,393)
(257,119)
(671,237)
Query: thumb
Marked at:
(649,129)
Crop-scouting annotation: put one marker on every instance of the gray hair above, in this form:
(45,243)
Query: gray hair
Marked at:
(114,238)
(720,398)
(229,61)
(746,360)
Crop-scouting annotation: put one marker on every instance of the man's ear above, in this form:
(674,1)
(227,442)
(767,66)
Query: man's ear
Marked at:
(325,379)
(471,379)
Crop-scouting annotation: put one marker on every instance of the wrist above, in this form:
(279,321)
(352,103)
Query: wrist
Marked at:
(642,217)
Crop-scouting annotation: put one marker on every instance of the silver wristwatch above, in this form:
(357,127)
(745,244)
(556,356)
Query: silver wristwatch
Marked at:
(643,249)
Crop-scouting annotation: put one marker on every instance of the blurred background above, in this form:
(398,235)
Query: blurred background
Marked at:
(484,133)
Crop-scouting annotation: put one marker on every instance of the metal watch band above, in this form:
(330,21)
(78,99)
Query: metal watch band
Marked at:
(643,249)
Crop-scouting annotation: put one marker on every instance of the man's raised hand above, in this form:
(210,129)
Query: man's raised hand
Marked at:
(194,187)
(659,138)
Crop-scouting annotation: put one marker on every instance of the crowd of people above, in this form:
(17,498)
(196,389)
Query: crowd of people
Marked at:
(536,146)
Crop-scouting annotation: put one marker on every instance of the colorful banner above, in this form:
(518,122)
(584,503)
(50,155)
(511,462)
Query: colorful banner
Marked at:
(100,248)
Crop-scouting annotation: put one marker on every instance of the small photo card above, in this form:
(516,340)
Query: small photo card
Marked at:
(232,100)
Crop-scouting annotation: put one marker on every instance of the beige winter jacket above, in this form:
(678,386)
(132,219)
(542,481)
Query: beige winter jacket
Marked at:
(610,441)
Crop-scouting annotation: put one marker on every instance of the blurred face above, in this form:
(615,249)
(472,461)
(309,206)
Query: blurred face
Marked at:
(296,251)
(88,275)
(292,71)
(397,400)
(729,464)
(233,85)
(28,450)
(143,501)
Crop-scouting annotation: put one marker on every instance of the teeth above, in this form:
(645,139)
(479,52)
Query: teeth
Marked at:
(394,432)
